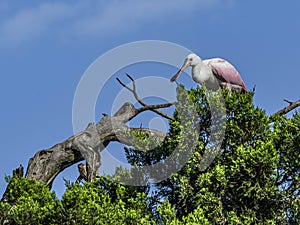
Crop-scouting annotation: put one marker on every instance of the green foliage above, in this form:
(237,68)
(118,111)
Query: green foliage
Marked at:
(254,178)
(30,202)
(92,203)
(286,136)
(167,215)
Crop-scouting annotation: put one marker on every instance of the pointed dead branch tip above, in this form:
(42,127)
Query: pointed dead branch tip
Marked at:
(119,81)
(124,85)
(153,108)
(290,102)
(130,77)
(18,172)
(287,109)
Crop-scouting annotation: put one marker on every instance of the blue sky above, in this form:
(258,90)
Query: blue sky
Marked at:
(45,48)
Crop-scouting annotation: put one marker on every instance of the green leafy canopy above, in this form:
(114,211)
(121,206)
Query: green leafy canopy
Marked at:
(253,179)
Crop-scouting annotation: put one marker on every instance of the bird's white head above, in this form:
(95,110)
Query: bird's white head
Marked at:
(190,60)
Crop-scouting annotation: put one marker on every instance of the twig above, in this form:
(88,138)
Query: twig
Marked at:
(288,101)
(287,109)
(46,164)
(145,107)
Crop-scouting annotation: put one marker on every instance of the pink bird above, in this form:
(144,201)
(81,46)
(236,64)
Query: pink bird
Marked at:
(214,73)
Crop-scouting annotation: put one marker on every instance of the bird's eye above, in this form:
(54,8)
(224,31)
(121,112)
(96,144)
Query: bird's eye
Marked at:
(191,59)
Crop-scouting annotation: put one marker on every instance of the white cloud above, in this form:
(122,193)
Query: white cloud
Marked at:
(31,23)
(118,14)
(94,17)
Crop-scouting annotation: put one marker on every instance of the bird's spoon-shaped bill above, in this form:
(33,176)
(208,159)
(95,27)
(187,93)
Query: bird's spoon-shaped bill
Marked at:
(176,75)
(185,65)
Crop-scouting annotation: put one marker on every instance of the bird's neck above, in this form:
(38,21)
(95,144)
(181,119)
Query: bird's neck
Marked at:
(200,72)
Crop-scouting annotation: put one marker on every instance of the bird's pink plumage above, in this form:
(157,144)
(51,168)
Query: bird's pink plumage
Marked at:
(225,72)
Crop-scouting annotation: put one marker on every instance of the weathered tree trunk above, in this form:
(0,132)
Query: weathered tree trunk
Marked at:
(47,164)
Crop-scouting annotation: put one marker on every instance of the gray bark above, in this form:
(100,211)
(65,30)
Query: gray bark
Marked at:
(45,165)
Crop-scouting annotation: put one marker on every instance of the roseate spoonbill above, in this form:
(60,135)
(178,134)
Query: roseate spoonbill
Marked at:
(214,73)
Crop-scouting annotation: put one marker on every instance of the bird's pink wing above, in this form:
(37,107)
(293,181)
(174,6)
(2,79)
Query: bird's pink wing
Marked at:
(225,72)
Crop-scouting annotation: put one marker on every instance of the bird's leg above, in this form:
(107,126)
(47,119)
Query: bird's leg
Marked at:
(231,87)
(227,86)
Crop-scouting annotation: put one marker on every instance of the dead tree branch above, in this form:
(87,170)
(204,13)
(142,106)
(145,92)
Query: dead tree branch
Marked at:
(134,92)
(287,109)
(18,172)
(46,164)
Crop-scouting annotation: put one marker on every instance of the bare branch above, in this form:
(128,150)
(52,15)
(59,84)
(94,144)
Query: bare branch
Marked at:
(45,165)
(124,85)
(152,108)
(287,109)
(288,101)
(157,106)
